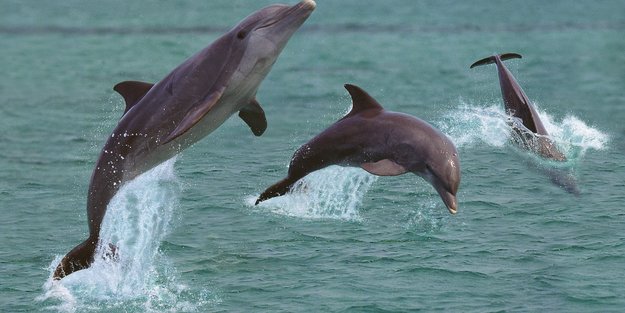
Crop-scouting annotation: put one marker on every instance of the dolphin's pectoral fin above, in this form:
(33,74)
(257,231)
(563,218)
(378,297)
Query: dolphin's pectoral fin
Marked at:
(254,116)
(197,112)
(132,91)
(384,167)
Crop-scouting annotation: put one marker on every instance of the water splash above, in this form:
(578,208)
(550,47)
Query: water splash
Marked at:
(138,278)
(427,218)
(469,125)
(573,136)
(332,193)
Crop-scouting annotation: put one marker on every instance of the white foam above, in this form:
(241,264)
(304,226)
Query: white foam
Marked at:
(332,193)
(471,124)
(573,135)
(137,220)
(468,125)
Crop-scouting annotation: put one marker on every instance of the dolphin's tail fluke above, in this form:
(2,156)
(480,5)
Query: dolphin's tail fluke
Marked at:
(276,190)
(79,258)
(491,59)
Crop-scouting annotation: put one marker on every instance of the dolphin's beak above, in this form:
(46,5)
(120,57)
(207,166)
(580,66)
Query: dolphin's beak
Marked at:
(307,4)
(450,201)
(290,18)
(448,198)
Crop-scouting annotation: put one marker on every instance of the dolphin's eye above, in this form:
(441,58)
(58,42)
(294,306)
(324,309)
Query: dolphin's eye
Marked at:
(241,34)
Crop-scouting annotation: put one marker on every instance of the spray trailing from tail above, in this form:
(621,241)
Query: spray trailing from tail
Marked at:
(332,193)
(134,276)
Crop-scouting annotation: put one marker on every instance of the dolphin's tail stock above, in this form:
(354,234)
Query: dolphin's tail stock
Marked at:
(491,59)
(79,258)
(276,190)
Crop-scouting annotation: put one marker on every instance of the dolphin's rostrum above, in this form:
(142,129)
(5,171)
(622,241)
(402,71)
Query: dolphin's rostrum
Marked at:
(381,142)
(193,100)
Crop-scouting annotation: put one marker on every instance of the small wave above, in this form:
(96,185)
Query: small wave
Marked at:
(332,193)
(138,278)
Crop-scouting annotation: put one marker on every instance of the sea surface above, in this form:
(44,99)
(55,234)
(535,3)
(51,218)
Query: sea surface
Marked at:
(188,234)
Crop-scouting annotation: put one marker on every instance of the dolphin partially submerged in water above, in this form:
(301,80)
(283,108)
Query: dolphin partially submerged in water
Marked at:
(381,142)
(519,106)
(530,132)
(194,99)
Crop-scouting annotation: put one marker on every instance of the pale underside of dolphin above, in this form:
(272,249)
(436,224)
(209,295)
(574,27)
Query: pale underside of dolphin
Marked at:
(190,102)
(381,142)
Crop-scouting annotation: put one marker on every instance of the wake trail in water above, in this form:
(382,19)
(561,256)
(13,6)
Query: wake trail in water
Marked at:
(138,277)
(334,192)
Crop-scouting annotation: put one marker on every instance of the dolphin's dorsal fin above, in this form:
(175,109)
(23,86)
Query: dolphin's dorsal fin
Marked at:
(384,167)
(197,112)
(361,100)
(254,116)
(132,91)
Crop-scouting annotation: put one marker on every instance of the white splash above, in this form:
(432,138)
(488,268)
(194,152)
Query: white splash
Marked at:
(469,125)
(573,135)
(138,277)
(332,193)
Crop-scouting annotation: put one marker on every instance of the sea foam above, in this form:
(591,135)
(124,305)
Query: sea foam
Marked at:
(137,277)
(334,192)
(469,125)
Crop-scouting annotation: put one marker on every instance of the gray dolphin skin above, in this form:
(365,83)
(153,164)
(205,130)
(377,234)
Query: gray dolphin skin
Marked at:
(518,105)
(194,99)
(383,143)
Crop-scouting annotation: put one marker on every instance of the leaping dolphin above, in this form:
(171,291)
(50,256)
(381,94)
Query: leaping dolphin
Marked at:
(518,105)
(194,99)
(381,142)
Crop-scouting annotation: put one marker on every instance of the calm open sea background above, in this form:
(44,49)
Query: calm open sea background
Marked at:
(190,238)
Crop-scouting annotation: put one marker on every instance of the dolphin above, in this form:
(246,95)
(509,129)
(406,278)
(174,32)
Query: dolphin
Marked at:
(383,143)
(194,99)
(532,133)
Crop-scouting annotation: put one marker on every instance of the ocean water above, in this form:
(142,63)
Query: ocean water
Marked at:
(191,240)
